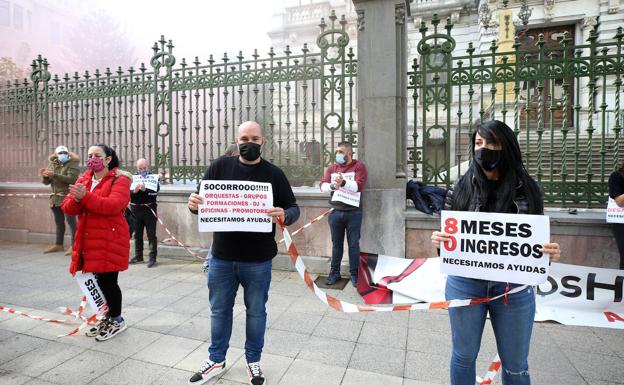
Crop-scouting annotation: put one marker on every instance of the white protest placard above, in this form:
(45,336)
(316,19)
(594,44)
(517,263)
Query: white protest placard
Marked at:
(615,213)
(230,205)
(345,196)
(495,247)
(150,181)
(89,285)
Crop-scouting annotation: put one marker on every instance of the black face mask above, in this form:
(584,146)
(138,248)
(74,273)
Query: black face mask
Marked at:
(249,151)
(488,159)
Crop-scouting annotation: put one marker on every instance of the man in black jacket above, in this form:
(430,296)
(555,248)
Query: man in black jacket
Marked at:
(142,199)
(243,258)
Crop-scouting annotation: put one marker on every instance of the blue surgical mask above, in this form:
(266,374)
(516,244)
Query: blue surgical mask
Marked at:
(63,158)
(340,159)
(144,173)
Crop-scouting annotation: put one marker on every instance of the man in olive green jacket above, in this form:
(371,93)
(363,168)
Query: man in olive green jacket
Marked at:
(60,173)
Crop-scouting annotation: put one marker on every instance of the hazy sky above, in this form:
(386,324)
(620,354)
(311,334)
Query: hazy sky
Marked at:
(197,27)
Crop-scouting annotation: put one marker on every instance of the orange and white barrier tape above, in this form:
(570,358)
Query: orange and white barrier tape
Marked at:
(488,379)
(313,221)
(347,307)
(186,248)
(76,314)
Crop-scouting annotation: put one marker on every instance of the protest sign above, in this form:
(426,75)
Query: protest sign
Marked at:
(150,181)
(235,206)
(615,213)
(345,196)
(95,297)
(496,247)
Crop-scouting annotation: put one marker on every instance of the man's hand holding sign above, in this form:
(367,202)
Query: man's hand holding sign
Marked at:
(498,247)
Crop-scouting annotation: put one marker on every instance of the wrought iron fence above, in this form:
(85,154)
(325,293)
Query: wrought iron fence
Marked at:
(182,117)
(562,100)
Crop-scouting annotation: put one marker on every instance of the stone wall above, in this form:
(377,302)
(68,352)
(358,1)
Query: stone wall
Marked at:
(585,238)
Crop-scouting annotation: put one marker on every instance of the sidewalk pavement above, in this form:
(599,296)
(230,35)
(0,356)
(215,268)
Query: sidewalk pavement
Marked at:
(166,308)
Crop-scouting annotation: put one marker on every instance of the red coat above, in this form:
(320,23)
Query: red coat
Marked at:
(102,240)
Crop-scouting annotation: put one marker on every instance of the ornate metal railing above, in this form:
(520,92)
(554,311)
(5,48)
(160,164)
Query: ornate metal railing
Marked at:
(181,115)
(563,102)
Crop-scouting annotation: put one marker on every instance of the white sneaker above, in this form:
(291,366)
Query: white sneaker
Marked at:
(111,330)
(207,371)
(98,327)
(255,374)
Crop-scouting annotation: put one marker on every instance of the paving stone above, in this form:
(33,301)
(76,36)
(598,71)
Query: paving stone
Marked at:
(83,368)
(360,377)
(167,350)
(162,321)
(173,376)
(197,328)
(297,322)
(378,359)
(384,335)
(341,329)
(302,372)
(597,366)
(284,343)
(12,378)
(42,359)
(131,372)
(17,345)
(327,351)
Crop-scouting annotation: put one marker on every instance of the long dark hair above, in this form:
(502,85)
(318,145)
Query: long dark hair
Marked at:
(109,152)
(511,173)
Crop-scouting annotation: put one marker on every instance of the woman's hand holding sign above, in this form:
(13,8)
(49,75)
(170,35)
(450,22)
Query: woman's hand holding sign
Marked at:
(552,249)
(438,236)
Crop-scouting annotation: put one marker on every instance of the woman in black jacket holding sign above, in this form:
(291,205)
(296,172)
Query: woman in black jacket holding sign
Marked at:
(496,181)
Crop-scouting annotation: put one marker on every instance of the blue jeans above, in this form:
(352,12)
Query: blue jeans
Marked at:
(223,280)
(512,324)
(350,222)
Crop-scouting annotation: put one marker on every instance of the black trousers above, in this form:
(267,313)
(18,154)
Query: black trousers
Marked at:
(144,219)
(111,291)
(59,220)
(618,233)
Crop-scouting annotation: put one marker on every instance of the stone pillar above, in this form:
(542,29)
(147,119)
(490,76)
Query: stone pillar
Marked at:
(382,118)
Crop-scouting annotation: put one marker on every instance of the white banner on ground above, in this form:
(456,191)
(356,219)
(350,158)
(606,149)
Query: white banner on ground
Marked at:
(235,206)
(615,213)
(496,247)
(150,181)
(89,285)
(345,196)
(572,295)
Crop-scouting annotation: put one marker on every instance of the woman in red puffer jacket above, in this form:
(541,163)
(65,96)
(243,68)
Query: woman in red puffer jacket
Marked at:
(102,241)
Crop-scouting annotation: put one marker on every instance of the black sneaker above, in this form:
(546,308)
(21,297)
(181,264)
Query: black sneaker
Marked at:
(207,371)
(332,278)
(255,374)
(111,330)
(98,327)
(136,260)
(152,262)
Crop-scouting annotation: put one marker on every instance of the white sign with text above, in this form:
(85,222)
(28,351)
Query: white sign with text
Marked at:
(150,181)
(495,247)
(345,196)
(615,213)
(235,206)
